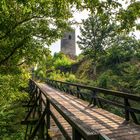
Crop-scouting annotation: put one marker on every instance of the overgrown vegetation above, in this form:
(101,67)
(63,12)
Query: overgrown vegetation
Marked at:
(60,68)
(13,84)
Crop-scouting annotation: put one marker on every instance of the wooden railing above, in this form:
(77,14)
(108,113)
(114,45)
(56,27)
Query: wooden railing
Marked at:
(103,97)
(39,113)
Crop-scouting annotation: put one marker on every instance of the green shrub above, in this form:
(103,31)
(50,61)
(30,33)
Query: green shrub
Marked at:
(109,80)
(61,59)
(13,91)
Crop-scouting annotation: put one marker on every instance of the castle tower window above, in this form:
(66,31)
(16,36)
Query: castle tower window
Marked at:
(69,37)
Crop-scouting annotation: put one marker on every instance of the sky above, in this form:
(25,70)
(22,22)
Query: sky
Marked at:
(78,16)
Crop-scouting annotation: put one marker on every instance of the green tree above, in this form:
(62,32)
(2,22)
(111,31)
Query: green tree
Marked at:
(96,34)
(120,65)
(123,49)
(26,26)
(128,17)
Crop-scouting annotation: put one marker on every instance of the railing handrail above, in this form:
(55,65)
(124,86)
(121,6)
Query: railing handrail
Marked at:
(102,90)
(95,96)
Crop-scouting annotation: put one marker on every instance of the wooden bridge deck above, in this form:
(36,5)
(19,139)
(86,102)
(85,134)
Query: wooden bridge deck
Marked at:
(104,122)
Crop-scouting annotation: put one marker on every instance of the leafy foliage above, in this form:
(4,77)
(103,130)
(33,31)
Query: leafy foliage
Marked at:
(61,59)
(12,92)
(129,16)
(96,35)
(57,75)
(123,49)
(26,26)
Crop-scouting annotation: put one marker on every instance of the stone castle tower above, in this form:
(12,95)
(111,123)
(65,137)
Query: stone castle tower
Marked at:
(68,44)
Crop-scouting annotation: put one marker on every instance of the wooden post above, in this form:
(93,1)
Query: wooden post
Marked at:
(133,115)
(126,104)
(67,88)
(76,135)
(40,111)
(78,91)
(94,95)
(48,119)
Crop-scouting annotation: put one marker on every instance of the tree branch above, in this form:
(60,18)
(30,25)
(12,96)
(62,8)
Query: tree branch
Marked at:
(19,45)
(21,63)
(17,24)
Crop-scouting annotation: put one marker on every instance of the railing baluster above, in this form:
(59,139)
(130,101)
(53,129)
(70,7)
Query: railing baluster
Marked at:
(93,98)
(76,135)
(78,92)
(41,129)
(100,103)
(48,118)
(94,94)
(133,115)
(126,104)
(67,88)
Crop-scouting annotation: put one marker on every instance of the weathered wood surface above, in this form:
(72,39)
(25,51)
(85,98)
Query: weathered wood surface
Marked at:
(98,119)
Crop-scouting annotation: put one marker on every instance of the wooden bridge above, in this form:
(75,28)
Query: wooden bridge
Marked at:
(60,110)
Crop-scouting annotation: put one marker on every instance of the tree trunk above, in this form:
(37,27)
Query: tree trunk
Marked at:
(94,70)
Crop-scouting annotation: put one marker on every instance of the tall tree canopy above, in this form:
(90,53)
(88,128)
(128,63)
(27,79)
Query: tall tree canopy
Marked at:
(106,21)
(25,27)
(96,34)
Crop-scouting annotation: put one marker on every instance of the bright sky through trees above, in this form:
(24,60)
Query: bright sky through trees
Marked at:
(78,16)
